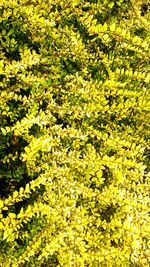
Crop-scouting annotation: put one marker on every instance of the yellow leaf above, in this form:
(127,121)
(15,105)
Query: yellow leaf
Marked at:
(112,27)
(1,226)
(15,194)
(21,190)
(12,215)
(105,27)
(1,204)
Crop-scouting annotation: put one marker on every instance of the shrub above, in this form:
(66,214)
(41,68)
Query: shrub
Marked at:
(74,117)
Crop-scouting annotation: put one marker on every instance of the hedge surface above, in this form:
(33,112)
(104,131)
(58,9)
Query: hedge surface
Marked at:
(74,133)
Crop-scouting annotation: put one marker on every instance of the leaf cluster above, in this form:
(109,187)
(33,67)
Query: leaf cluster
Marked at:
(74,133)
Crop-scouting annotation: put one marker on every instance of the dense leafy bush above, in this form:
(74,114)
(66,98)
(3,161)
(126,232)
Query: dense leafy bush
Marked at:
(74,141)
